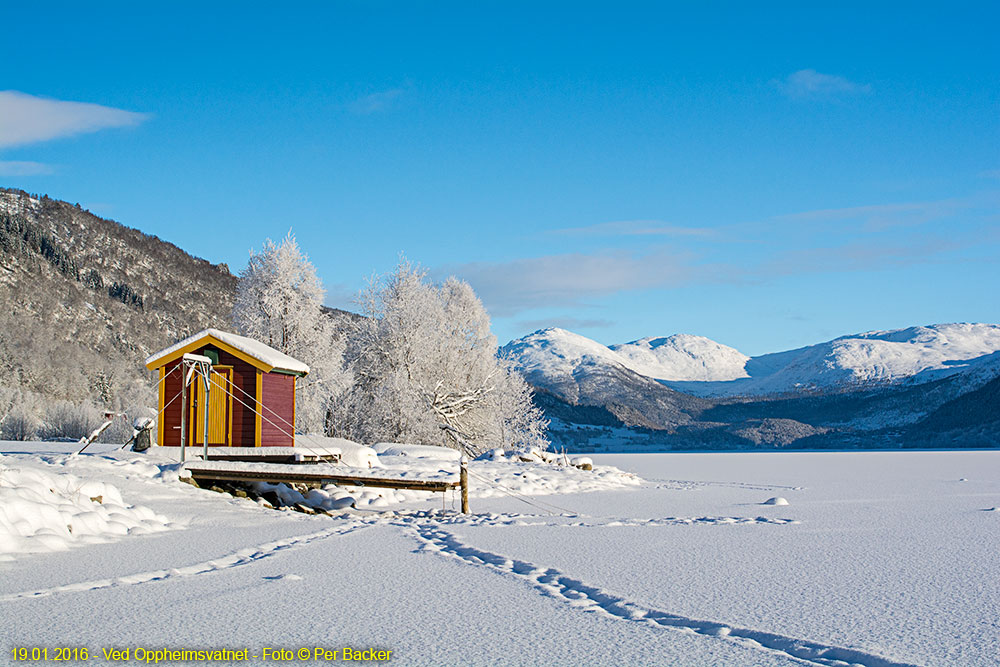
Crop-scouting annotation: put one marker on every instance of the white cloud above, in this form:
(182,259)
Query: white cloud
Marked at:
(810,84)
(859,256)
(507,288)
(27,119)
(13,168)
(375,102)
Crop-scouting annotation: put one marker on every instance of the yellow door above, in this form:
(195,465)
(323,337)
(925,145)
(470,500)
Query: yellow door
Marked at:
(218,409)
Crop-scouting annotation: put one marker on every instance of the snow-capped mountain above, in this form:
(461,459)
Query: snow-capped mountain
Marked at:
(683,357)
(880,357)
(700,366)
(932,386)
(555,353)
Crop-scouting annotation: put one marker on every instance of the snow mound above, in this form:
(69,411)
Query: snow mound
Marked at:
(778,500)
(417,451)
(41,512)
(351,453)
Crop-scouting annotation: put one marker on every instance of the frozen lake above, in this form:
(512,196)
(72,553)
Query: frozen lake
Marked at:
(879,558)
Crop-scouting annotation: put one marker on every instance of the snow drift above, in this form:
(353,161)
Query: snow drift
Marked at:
(42,512)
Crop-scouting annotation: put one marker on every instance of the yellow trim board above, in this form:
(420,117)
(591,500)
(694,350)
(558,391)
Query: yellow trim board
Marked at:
(209,339)
(229,389)
(163,412)
(258,409)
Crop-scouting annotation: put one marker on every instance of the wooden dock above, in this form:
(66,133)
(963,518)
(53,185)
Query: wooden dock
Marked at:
(296,455)
(302,475)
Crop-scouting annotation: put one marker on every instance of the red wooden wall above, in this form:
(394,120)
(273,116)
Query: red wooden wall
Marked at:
(279,410)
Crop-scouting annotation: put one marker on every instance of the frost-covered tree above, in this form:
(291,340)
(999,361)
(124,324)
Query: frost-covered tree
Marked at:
(518,424)
(426,370)
(279,301)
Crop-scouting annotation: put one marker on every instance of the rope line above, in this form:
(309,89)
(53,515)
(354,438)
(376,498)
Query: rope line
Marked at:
(253,399)
(262,416)
(245,393)
(225,390)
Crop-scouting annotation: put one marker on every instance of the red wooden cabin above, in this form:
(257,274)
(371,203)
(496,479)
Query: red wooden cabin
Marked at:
(252,397)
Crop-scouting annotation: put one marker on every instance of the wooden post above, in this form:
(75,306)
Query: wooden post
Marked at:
(463,479)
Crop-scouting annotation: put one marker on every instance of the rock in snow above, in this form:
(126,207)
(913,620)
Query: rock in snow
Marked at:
(778,500)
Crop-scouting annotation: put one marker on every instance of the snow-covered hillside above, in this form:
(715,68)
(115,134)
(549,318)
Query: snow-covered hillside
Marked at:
(551,353)
(683,357)
(700,366)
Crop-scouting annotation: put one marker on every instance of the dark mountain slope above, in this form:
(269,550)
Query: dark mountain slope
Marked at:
(84,300)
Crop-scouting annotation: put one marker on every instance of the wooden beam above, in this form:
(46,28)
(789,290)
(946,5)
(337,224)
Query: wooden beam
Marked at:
(320,477)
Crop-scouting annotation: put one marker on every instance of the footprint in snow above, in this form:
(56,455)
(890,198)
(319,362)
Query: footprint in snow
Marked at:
(284,577)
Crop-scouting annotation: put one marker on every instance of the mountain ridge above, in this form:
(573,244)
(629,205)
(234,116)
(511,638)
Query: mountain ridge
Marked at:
(875,389)
(702,367)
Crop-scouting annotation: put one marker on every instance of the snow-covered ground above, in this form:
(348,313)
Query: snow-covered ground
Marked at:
(879,558)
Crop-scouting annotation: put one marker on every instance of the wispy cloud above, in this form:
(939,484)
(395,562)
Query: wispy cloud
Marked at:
(637,228)
(566,322)
(810,84)
(884,216)
(859,256)
(376,102)
(12,168)
(27,119)
(508,288)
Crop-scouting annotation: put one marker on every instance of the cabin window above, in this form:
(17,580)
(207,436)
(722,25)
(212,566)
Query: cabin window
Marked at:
(213,355)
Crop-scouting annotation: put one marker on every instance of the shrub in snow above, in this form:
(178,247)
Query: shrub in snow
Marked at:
(20,423)
(64,419)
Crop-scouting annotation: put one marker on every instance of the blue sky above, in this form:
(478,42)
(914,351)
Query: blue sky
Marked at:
(767,176)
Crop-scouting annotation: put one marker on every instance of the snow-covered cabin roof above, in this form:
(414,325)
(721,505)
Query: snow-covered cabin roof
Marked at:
(249,350)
